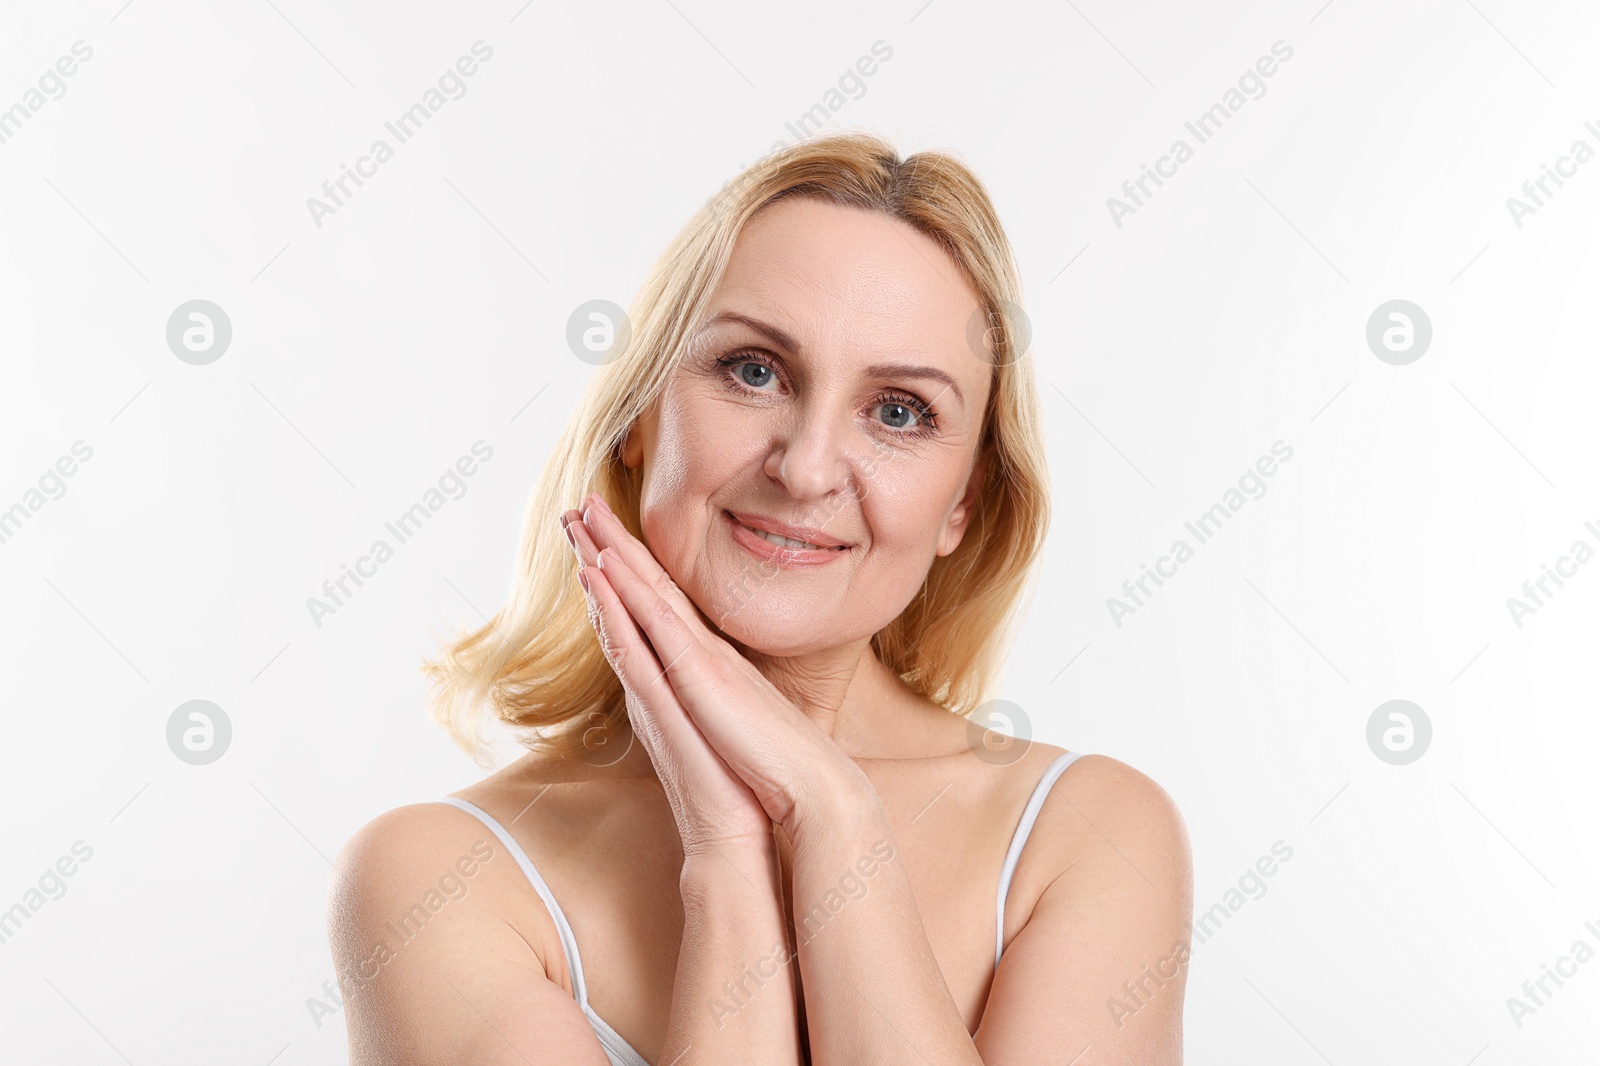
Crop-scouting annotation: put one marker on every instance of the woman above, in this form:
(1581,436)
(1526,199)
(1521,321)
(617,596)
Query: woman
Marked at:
(758,822)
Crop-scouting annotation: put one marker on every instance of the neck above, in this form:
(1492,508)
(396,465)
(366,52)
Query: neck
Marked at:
(844,690)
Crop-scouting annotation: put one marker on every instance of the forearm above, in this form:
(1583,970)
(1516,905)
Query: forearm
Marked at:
(733,998)
(873,989)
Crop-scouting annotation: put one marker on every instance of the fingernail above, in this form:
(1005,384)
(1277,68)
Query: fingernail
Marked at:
(583,579)
(568,531)
(563,520)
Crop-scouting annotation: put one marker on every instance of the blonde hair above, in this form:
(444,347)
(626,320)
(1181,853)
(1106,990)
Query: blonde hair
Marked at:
(538,661)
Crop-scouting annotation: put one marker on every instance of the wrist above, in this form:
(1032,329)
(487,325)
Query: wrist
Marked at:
(842,803)
(721,872)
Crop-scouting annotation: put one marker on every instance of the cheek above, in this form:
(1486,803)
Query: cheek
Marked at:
(682,469)
(702,447)
(903,509)
(664,509)
(678,455)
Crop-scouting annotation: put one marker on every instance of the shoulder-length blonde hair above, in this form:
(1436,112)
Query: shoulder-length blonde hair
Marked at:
(538,660)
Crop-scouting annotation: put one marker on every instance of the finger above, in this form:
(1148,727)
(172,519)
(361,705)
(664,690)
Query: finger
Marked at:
(683,656)
(683,759)
(625,645)
(588,548)
(606,530)
(582,541)
(628,650)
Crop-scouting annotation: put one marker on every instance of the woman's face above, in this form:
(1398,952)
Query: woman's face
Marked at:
(832,388)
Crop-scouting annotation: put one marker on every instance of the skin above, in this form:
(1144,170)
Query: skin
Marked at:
(769,755)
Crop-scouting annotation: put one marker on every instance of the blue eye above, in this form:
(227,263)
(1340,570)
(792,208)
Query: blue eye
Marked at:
(763,373)
(753,372)
(904,410)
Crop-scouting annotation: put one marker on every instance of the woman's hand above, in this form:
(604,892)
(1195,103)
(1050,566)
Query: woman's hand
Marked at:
(711,805)
(732,883)
(768,743)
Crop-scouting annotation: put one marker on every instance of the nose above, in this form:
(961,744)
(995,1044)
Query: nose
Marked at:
(810,455)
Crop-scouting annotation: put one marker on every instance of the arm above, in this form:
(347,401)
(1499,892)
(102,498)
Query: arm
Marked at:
(873,989)
(874,992)
(873,953)
(1096,974)
(1099,899)
(734,993)
(467,987)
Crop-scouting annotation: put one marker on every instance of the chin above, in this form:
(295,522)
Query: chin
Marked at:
(746,623)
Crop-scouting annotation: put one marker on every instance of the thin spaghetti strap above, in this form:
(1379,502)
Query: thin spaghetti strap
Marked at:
(1020,837)
(569,943)
(618,1051)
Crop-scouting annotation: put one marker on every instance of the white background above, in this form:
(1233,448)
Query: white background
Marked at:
(430,311)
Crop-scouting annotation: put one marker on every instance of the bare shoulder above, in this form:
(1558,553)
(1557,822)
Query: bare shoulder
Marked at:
(452,861)
(417,875)
(1102,812)
(404,849)
(1100,957)
(1108,786)
(404,832)
(430,966)
(1104,831)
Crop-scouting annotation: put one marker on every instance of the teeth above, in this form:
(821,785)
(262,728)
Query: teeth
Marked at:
(786,542)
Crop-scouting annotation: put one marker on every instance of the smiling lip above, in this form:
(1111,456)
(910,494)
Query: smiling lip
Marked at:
(805,533)
(742,529)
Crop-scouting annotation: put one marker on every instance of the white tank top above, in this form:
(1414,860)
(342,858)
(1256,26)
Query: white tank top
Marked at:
(618,1050)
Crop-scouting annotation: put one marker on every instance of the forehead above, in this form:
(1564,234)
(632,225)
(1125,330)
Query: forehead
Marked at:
(851,283)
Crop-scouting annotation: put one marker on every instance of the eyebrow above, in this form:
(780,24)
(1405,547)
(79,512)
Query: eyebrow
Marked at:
(880,370)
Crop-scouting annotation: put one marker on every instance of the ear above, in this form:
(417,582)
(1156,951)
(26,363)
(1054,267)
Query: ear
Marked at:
(632,449)
(961,516)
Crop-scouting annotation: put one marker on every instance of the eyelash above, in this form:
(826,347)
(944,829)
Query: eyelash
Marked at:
(927,418)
